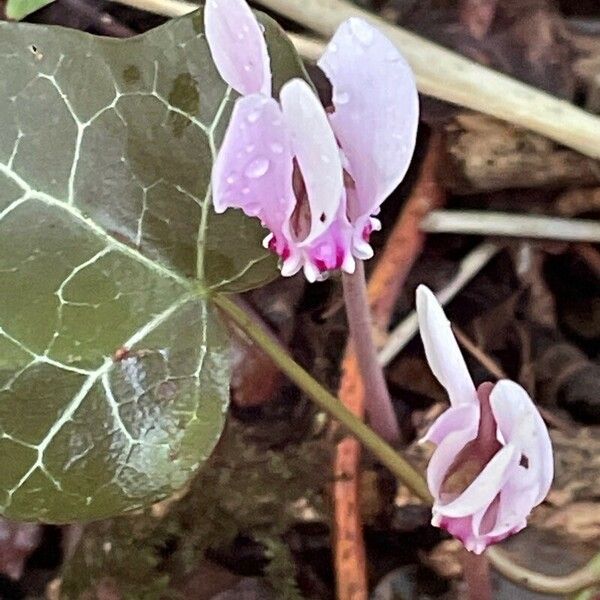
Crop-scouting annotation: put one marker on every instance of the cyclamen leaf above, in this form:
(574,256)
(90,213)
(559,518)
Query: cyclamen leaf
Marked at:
(19,9)
(114,375)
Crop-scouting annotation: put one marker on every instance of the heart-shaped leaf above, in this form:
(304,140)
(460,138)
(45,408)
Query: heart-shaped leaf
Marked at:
(113,368)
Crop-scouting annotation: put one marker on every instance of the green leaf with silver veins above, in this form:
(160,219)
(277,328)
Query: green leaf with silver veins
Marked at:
(114,376)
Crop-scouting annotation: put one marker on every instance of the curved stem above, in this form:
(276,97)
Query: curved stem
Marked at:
(378,403)
(587,576)
(329,403)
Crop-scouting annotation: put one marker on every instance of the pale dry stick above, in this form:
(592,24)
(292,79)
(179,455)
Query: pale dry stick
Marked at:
(166,8)
(488,223)
(484,359)
(449,76)
(440,73)
(309,48)
(469,267)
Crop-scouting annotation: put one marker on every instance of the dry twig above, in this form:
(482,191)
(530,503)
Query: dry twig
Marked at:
(485,222)
(468,268)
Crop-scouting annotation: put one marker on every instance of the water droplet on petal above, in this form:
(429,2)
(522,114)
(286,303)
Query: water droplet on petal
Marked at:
(257,168)
(261,27)
(250,148)
(362,31)
(276,148)
(325,158)
(247,68)
(240,36)
(333,47)
(245,28)
(253,116)
(246,191)
(341,98)
(231,179)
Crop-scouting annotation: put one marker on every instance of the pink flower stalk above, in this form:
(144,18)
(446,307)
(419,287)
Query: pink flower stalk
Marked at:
(314,178)
(493,462)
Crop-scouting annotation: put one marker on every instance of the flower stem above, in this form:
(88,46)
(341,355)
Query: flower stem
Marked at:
(476,574)
(380,410)
(370,440)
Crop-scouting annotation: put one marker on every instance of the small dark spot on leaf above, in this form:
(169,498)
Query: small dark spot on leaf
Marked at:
(166,391)
(184,95)
(131,74)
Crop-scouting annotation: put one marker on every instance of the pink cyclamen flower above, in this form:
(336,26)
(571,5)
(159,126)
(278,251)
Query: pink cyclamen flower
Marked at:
(314,178)
(493,462)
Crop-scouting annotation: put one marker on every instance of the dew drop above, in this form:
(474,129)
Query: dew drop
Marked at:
(246,191)
(247,68)
(231,179)
(341,98)
(261,27)
(250,148)
(333,47)
(325,158)
(240,36)
(362,32)
(245,28)
(253,116)
(276,148)
(257,168)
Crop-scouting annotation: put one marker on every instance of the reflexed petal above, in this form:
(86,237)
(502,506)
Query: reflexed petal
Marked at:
(376,112)
(486,485)
(253,170)
(317,153)
(465,416)
(442,351)
(238,46)
(520,423)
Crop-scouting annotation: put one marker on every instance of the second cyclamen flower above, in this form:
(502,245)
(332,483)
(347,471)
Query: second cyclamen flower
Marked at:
(493,462)
(314,178)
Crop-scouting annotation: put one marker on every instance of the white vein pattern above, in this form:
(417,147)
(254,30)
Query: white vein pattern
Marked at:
(67,204)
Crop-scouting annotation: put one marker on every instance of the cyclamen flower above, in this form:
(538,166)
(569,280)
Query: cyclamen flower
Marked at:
(314,178)
(493,461)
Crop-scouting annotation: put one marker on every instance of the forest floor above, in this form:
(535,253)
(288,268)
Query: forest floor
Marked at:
(257,523)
